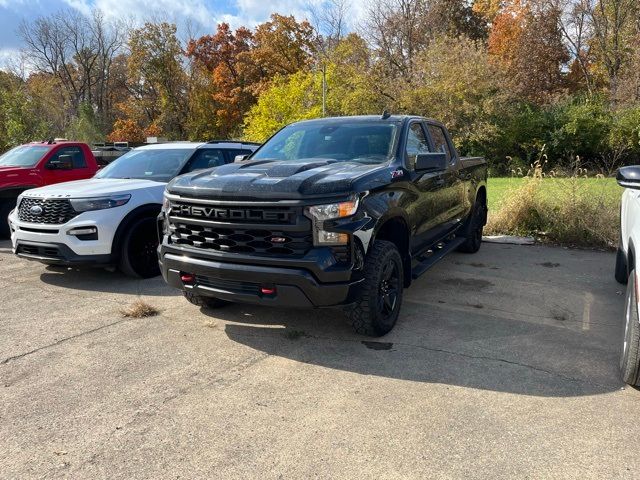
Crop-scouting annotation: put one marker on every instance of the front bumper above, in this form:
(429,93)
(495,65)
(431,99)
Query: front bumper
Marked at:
(52,244)
(56,254)
(239,279)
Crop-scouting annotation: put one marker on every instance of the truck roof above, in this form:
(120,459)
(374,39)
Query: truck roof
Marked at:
(171,146)
(54,144)
(370,118)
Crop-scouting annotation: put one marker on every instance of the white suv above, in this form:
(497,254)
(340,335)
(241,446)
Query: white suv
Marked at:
(110,219)
(626,272)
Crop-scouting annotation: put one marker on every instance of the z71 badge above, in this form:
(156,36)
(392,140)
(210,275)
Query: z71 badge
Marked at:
(397,173)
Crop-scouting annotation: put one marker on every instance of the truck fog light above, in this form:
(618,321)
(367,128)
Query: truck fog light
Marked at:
(331,238)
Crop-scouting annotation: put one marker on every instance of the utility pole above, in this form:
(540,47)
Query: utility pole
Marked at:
(324,89)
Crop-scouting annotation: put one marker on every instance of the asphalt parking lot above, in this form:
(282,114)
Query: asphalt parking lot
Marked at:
(503,365)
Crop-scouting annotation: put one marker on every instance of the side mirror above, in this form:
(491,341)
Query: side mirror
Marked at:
(431,161)
(63,162)
(629,177)
(240,158)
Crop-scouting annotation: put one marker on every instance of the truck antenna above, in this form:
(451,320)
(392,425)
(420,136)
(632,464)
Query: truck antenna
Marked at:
(385,114)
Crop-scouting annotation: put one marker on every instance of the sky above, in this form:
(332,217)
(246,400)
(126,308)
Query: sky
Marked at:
(201,15)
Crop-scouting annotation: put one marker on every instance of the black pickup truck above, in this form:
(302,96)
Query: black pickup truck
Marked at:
(328,212)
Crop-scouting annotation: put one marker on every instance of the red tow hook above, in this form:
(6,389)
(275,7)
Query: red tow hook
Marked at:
(268,290)
(187,277)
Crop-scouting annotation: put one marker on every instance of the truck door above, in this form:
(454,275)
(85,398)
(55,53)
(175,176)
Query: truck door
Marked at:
(79,170)
(453,195)
(427,210)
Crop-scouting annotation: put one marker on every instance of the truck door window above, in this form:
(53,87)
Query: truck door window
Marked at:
(205,158)
(76,154)
(416,143)
(440,140)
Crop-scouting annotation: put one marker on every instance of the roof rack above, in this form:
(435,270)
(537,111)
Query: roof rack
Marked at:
(234,141)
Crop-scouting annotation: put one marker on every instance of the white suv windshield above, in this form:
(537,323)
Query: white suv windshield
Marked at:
(351,141)
(23,156)
(159,165)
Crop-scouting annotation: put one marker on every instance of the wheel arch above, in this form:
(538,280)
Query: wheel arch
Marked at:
(148,210)
(396,230)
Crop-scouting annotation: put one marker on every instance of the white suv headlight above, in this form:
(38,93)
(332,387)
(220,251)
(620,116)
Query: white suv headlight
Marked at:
(98,203)
(320,213)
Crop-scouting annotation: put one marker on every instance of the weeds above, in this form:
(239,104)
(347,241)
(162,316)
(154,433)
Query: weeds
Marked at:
(140,309)
(574,212)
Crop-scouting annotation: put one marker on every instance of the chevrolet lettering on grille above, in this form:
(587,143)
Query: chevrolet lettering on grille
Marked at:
(229,213)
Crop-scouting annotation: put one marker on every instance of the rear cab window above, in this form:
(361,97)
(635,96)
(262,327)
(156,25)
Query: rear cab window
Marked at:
(77,156)
(440,142)
(205,158)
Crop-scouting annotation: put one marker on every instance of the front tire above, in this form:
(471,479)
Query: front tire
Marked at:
(378,307)
(472,230)
(200,301)
(630,357)
(138,255)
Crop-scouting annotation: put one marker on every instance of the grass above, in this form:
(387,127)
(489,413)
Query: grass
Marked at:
(498,189)
(575,211)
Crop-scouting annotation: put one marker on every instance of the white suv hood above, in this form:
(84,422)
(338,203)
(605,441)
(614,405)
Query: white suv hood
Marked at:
(93,187)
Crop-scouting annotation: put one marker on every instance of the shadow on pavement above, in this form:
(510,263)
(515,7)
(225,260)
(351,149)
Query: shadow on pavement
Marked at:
(101,280)
(436,346)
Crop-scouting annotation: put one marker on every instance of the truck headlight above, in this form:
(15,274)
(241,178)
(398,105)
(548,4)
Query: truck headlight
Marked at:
(98,203)
(166,204)
(320,213)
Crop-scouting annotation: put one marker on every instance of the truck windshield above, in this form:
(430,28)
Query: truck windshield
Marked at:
(159,165)
(23,156)
(350,141)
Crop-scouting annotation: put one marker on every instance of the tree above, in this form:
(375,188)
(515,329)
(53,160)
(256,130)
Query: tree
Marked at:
(526,43)
(19,121)
(84,127)
(282,46)
(221,66)
(79,52)
(156,80)
(456,84)
(286,100)
(612,22)
(398,30)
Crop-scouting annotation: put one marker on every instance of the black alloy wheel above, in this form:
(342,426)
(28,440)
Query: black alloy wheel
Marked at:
(139,250)
(388,291)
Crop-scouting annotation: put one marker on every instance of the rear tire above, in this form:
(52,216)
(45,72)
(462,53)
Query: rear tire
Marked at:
(6,205)
(630,357)
(472,230)
(208,302)
(621,267)
(138,255)
(378,307)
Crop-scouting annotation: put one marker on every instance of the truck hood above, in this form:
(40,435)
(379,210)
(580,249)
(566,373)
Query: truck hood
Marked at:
(286,179)
(93,187)
(8,170)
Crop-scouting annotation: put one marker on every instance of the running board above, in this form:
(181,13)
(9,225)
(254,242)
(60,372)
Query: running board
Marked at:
(433,256)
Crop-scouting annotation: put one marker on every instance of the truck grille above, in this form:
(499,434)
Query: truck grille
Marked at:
(50,211)
(260,231)
(241,240)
